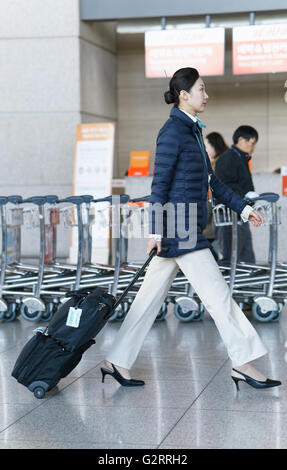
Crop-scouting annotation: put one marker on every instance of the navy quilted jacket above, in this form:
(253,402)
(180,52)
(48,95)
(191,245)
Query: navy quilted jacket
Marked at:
(181,176)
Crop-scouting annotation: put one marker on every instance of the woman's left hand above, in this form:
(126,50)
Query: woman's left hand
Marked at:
(256,219)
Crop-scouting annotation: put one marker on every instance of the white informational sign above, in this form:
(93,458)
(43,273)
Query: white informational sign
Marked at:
(169,50)
(260,49)
(93,169)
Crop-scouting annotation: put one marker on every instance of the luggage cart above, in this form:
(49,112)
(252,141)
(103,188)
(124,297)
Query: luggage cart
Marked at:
(253,284)
(39,292)
(11,221)
(23,287)
(78,215)
(38,289)
(267,306)
(85,274)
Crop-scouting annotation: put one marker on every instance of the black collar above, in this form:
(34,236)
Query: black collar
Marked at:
(240,153)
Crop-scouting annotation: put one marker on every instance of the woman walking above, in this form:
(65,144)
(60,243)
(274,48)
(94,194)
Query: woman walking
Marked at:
(181,175)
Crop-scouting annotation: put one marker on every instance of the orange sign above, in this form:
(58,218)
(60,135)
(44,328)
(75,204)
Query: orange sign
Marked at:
(169,50)
(139,163)
(284,180)
(260,49)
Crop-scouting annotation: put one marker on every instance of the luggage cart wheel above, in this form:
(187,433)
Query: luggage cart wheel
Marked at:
(163,311)
(39,392)
(11,313)
(30,316)
(186,309)
(264,316)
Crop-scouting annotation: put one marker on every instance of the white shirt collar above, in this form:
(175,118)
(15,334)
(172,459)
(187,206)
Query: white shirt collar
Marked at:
(194,118)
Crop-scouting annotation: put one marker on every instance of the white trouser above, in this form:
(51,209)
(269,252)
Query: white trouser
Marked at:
(200,268)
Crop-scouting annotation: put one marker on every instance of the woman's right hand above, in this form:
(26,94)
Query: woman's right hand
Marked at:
(152,243)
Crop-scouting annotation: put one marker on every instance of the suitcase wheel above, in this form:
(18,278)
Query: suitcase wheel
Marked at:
(39,392)
(39,388)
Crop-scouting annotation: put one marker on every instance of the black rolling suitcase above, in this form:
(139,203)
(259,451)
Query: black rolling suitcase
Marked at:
(53,352)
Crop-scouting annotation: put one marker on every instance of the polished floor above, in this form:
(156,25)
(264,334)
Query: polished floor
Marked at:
(189,400)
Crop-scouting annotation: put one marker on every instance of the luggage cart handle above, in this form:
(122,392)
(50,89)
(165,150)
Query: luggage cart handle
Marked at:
(3,200)
(73,199)
(51,199)
(269,197)
(15,199)
(139,199)
(38,200)
(84,198)
(87,198)
(123,198)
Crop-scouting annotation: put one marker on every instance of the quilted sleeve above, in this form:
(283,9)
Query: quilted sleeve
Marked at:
(167,151)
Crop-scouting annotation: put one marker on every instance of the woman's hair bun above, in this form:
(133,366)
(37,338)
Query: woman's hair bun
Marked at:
(169,97)
(182,79)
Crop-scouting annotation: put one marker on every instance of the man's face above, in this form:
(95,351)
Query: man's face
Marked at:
(247,145)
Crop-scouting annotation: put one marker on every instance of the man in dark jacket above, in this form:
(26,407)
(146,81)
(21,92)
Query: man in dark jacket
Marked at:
(232,168)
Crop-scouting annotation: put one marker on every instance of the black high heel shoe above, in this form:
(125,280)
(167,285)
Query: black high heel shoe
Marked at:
(120,378)
(254,383)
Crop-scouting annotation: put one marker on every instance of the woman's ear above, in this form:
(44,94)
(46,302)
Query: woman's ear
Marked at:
(183,94)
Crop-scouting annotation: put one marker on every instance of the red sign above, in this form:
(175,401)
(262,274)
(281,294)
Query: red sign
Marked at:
(169,50)
(260,49)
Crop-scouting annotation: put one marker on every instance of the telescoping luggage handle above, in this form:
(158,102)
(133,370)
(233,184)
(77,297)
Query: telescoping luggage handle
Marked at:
(137,275)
